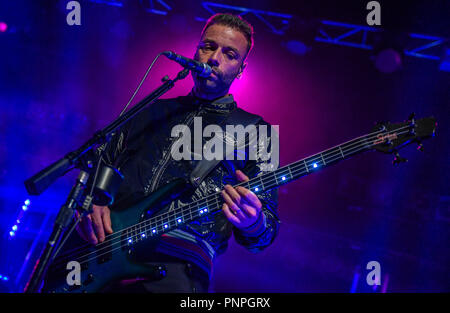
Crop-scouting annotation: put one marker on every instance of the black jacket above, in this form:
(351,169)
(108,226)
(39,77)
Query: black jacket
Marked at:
(141,151)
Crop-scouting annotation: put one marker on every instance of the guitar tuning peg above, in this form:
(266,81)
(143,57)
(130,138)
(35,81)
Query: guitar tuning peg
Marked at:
(412,124)
(398,159)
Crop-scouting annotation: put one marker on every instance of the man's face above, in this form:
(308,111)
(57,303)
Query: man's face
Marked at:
(224,49)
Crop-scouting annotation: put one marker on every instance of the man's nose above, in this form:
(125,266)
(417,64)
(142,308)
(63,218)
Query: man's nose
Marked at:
(214,58)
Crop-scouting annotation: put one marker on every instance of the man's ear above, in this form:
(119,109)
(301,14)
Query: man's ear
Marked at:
(241,69)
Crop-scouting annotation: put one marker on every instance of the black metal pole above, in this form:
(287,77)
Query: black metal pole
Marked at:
(39,182)
(62,221)
(36,184)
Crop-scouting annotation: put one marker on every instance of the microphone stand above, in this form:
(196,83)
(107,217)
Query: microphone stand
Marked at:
(81,159)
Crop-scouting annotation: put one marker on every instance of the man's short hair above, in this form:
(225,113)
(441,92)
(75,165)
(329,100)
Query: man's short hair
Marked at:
(235,22)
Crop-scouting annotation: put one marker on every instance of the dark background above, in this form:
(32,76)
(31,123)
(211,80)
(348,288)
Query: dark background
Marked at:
(60,83)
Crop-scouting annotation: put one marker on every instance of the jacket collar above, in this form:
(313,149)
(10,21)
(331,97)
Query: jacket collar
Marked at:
(223,104)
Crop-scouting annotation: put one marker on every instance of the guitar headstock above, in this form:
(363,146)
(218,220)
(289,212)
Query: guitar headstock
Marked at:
(390,137)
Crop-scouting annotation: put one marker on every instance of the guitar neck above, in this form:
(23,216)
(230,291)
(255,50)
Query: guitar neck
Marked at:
(274,179)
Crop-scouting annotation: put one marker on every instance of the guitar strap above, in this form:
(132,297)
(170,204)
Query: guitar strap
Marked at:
(232,142)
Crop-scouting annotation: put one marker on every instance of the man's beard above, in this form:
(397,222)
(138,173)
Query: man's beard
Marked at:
(213,84)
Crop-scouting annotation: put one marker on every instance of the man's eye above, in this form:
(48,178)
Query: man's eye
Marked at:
(230,56)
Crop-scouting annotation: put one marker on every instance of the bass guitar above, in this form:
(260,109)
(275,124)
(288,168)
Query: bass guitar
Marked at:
(115,258)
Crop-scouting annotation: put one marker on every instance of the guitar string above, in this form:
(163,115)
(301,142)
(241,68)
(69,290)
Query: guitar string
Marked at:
(162,216)
(110,252)
(154,221)
(120,247)
(120,233)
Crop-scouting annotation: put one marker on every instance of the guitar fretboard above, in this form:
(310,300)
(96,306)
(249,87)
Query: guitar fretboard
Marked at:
(168,221)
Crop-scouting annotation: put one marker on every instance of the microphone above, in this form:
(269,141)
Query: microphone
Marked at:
(202,69)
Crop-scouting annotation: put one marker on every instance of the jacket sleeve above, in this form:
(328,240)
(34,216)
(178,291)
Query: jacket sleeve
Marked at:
(262,233)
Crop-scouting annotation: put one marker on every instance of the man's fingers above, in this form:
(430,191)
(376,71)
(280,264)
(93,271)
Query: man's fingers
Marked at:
(107,221)
(249,211)
(249,197)
(233,206)
(80,232)
(88,230)
(234,195)
(230,216)
(241,176)
(98,225)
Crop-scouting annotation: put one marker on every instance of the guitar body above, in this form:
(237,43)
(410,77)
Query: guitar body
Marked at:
(99,266)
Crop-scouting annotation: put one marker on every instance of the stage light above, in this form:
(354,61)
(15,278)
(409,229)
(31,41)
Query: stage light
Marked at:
(297,47)
(315,165)
(388,60)
(3,27)
(445,63)
(25,207)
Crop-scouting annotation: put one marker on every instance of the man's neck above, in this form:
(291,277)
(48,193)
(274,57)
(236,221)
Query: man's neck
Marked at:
(208,96)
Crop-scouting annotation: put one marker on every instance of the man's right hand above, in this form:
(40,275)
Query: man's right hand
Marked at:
(94,226)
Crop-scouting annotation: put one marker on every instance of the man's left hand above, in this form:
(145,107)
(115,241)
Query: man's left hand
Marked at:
(242,207)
